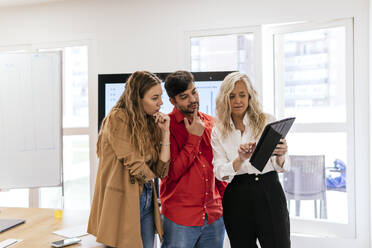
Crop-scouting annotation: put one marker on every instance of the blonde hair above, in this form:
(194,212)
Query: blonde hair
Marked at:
(257,118)
(143,131)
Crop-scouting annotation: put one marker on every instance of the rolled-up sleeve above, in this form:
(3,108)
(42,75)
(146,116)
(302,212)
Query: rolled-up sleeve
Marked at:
(161,168)
(286,165)
(223,168)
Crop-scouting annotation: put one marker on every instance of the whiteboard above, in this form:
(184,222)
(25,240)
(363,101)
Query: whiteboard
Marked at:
(30,120)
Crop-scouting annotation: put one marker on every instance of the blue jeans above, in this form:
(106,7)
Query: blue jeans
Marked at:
(207,236)
(147,216)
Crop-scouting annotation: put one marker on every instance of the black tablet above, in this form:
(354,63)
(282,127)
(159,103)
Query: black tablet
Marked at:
(270,137)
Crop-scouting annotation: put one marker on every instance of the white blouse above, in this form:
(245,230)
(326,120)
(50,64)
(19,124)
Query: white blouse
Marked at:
(225,151)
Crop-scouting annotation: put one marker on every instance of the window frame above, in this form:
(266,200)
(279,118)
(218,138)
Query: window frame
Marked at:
(91,129)
(320,227)
(257,44)
(265,73)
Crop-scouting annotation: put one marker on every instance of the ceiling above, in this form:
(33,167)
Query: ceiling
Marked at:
(10,3)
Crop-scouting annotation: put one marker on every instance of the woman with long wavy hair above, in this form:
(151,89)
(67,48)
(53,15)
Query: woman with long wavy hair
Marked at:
(254,204)
(133,149)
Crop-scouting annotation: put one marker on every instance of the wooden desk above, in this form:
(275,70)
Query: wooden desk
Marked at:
(40,223)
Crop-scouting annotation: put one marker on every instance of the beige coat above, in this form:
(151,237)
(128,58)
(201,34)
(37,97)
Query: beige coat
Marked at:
(115,212)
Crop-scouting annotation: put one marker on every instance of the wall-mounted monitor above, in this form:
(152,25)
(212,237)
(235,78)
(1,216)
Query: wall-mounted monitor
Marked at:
(111,86)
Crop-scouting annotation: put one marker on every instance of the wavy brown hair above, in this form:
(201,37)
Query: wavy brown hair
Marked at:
(256,116)
(144,133)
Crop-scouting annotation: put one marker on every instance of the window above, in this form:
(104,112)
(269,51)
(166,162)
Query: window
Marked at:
(75,87)
(314,82)
(313,67)
(306,72)
(75,176)
(223,53)
(76,164)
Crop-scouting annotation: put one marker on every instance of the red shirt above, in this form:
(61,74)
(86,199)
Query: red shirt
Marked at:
(190,190)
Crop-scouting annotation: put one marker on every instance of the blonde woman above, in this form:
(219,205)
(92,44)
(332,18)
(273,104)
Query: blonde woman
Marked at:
(254,204)
(133,149)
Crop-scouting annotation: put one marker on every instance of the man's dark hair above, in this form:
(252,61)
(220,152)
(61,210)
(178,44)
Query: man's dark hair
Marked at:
(177,82)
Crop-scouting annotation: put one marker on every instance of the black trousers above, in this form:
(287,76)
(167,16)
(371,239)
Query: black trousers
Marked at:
(254,207)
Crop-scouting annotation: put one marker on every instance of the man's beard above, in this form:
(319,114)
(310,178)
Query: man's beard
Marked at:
(186,110)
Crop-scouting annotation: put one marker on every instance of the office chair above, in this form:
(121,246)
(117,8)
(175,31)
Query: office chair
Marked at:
(306,181)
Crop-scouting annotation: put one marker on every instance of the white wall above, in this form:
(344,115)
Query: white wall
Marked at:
(145,34)
(137,34)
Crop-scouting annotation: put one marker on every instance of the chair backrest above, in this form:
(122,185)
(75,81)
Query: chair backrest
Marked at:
(306,175)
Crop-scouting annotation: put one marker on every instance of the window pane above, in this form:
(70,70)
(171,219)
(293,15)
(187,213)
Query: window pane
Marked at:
(76,172)
(223,53)
(51,197)
(311,181)
(311,66)
(76,176)
(75,87)
(14,198)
